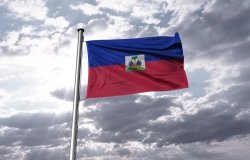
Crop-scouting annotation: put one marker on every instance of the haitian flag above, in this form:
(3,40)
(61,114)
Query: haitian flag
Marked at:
(128,66)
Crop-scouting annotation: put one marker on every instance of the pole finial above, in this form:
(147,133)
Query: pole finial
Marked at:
(80,29)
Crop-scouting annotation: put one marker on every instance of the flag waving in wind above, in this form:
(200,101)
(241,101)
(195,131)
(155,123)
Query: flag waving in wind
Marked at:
(128,66)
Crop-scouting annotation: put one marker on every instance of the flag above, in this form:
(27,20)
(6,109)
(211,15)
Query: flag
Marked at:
(128,66)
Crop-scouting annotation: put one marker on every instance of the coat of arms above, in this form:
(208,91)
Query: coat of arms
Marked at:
(135,63)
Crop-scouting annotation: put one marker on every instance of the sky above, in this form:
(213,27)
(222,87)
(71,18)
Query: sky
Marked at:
(210,120)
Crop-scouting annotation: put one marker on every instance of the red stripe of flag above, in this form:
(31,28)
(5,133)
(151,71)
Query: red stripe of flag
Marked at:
(113,80)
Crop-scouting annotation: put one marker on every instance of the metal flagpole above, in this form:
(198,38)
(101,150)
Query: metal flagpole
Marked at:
(73,143)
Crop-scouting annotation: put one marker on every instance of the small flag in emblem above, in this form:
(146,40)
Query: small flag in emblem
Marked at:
(135,63)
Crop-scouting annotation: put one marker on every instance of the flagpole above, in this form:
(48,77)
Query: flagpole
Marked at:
(74,130)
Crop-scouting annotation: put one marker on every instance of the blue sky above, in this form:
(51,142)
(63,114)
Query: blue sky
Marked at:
(208,121)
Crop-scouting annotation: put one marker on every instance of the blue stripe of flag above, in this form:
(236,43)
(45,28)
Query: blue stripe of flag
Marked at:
(113,52)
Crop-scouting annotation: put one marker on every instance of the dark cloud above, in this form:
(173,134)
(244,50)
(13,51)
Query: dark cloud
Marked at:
(63,93)
(222,24)
(123,152)
(4,151)
(123,114)
(34,120)
(35,129)
(120,122)
(68,93)
(200,152)
(34,137)
(120,118)
(207,125)
(46,154)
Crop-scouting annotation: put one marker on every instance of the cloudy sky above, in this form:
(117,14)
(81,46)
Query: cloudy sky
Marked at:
(208,121)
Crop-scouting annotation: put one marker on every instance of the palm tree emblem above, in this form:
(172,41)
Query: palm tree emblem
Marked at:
(135,64)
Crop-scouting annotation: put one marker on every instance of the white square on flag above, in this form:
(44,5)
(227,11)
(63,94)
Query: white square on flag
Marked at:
(135,63)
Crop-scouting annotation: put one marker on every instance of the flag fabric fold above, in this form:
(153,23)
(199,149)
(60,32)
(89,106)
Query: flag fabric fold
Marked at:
(128,66)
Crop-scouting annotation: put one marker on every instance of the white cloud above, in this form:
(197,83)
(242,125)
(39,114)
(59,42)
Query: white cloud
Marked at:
(119,6)
(181,10)
(115,27)
(49,65)
(87,9)
(4,96)
(118,26)
(146,11)
(27,9)
(59,23)
(30,80)
(10,44)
